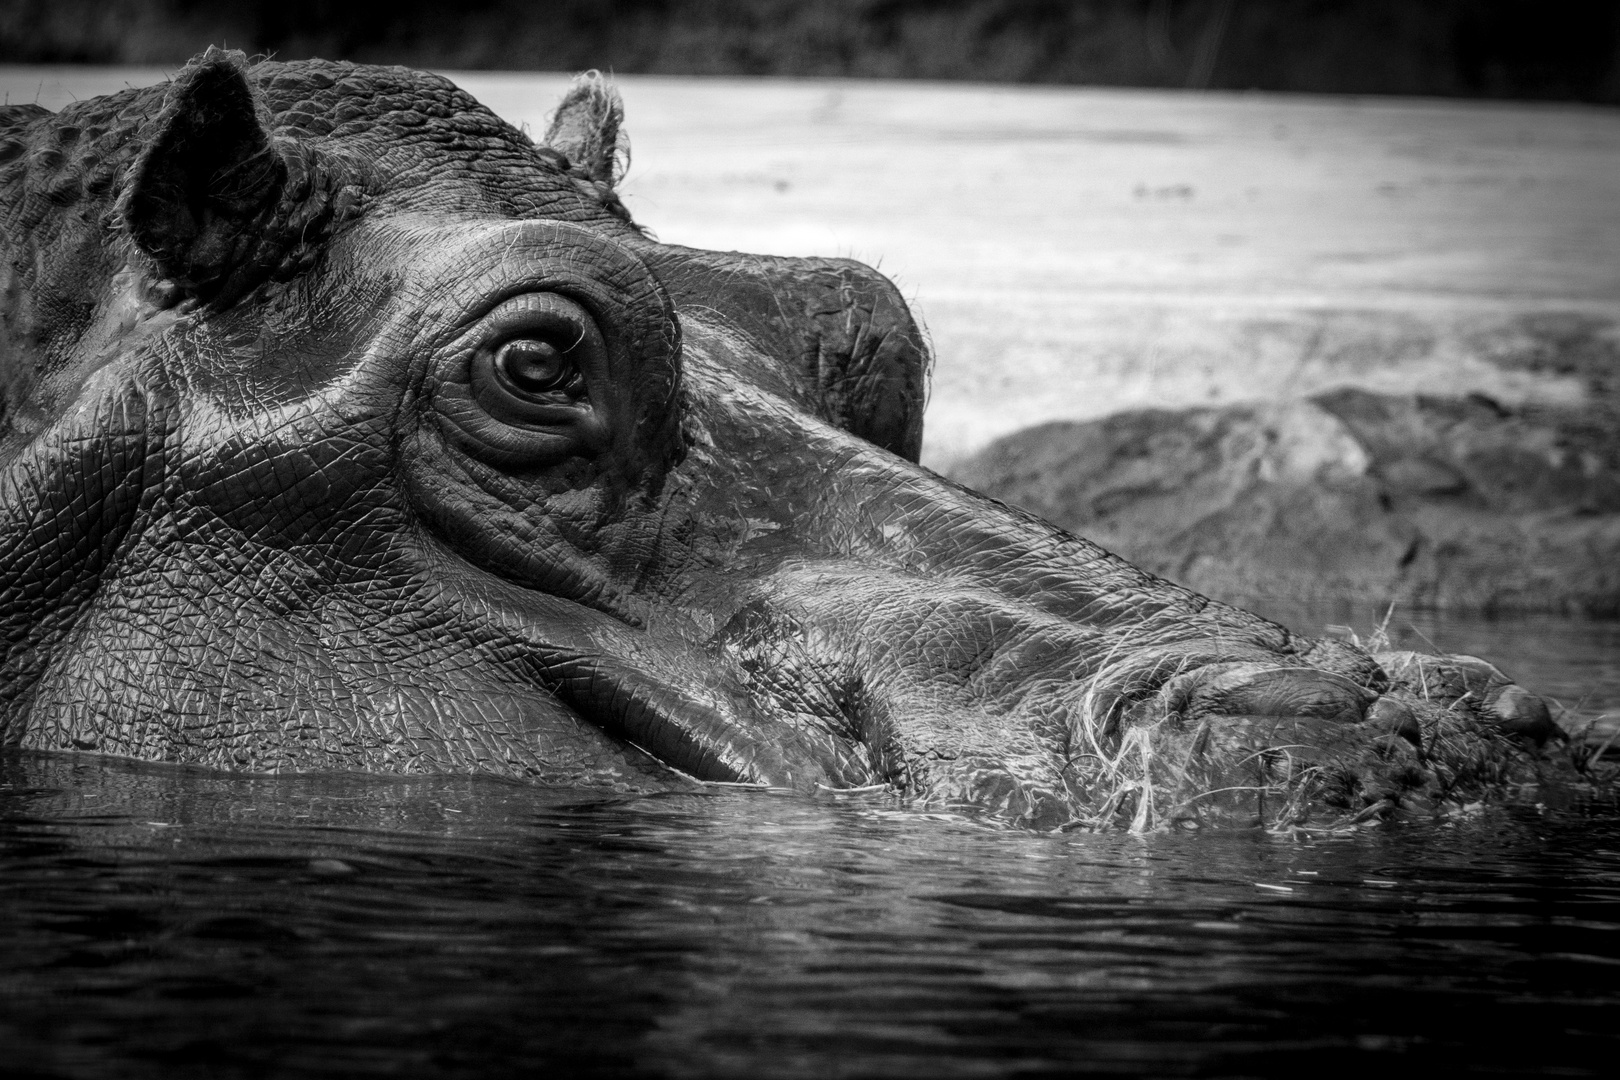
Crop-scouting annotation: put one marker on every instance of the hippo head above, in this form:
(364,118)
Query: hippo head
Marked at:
(347,428)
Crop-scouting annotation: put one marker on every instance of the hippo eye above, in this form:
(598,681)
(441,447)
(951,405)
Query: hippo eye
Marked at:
(533,366)
(532,390)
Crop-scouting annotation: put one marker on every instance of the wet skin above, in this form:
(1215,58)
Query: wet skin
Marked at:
(347,428)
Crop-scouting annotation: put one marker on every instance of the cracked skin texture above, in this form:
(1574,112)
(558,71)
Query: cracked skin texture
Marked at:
(347,428)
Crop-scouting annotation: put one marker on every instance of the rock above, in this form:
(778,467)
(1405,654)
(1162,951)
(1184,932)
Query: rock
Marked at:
(1348,495)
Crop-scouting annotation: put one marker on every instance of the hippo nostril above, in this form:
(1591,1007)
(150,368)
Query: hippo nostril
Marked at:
(1253,690)
(1392,716)
(1451,678)
(1519,712)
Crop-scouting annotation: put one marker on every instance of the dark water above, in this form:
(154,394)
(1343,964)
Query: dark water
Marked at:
(163,922)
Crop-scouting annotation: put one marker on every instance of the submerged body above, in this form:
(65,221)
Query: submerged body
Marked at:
(347,428)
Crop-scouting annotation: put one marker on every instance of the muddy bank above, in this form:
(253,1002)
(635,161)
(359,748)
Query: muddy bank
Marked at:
(1450,501)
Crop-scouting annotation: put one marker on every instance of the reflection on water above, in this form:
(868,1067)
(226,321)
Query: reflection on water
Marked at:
(166,922)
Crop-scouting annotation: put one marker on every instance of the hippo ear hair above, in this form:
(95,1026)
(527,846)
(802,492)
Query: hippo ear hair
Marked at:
(585,129)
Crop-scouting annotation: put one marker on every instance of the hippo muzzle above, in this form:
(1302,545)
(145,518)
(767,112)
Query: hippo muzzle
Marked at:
(362,433)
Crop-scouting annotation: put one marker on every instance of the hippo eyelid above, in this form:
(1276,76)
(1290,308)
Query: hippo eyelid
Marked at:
(474,319)
(534,311)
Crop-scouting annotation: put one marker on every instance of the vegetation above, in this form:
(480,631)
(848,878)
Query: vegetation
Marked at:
(1552,49)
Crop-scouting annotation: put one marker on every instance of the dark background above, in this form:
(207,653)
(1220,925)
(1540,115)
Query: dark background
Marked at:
(1532,49)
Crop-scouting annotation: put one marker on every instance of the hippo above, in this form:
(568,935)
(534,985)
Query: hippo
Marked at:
(347,427)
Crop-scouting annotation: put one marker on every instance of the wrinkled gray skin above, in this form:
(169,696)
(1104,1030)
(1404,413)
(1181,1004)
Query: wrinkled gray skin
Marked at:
(346,428)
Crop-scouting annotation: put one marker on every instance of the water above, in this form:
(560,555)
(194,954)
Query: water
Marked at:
(168,922)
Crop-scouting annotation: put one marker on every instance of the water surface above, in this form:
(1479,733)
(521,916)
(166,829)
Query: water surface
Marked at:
(170,922)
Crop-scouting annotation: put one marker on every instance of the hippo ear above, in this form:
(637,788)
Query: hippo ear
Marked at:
(204,184)
(585,128)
